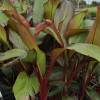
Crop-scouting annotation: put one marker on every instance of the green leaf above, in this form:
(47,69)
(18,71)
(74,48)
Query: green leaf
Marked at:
(12,54)
(86,49)
(78,38)
(3,19)
(38,10)
(17,41)
(25,86)
(93,95)
(41,61)
(50,8)
(78,19)
(31,56)
(3,36)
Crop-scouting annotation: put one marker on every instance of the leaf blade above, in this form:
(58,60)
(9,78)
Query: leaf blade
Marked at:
(86,49)
(31,86)
(12,54)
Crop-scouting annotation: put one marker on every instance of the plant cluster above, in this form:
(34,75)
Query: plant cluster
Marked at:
(49,50)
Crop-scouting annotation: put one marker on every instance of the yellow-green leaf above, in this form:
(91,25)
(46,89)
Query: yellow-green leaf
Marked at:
(50,8)
(86,49)
(3,19)
(25,86)
(38,10)
(41,61)
(17,41)
(3,35)
(12,54)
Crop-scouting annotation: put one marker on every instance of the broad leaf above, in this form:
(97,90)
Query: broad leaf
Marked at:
(31,56)
(82,48)
(86,49)
(3,19)
(41,61)
(63,15)
(78,38)
(75,24)
(94,35)
(38,10)
(25,86)
(16,40)
(50,8)
(12,54)
(3,35)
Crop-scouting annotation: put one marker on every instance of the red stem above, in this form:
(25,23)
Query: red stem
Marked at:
(85,84)
(73,75)
(43,85)
(43,89)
